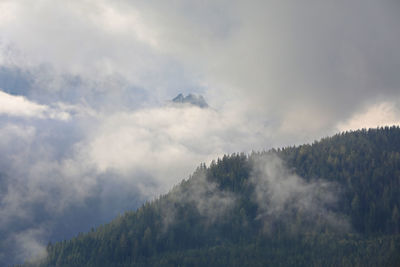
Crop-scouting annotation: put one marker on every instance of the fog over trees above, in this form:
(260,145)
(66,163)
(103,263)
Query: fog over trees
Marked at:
(331,203)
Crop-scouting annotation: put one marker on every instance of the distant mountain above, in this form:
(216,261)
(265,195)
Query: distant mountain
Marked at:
(333,203)
(192,99)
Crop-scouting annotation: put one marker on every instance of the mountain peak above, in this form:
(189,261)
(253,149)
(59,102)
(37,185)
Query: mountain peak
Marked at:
(192,99)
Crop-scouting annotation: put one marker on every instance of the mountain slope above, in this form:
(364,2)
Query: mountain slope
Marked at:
(333,203)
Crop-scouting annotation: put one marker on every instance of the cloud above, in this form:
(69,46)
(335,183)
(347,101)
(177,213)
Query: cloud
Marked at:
(44,184)
(176,138)
(85,82)
(380,114)
(99,163)
(91,39)
(21,107)
(283,196)
(281,58)
(287,64)
(31,249)
(208,200)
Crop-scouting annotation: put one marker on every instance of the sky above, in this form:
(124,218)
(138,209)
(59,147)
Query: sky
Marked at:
(87,129)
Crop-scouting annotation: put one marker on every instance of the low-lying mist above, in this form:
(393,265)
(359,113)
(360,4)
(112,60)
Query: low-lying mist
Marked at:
(282,196)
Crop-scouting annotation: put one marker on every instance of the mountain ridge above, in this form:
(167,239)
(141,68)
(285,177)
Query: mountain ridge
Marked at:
(338,205)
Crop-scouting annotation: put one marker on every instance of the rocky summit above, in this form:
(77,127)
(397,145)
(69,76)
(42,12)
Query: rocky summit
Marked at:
(192,99)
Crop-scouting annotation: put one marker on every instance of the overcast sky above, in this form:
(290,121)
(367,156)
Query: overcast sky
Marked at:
(85,89)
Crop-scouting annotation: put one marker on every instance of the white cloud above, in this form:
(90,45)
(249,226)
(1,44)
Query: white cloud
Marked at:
(270,58)
(8,11)
(168,142)
(93,39)
(125,20)
(19,106)
(378,115)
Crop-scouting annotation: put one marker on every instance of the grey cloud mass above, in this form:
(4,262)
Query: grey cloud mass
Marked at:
(85,121)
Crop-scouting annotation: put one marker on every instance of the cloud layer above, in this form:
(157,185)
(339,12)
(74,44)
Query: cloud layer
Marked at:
(21,107)
(84,114)
(95,163)
(285,65)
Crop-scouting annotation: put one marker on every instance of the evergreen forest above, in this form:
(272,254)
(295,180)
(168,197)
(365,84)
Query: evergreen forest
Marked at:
(334,202)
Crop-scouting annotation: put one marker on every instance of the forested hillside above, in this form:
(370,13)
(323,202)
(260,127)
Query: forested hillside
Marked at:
(331,203)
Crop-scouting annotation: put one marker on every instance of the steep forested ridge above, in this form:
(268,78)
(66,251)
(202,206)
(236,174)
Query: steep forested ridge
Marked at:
(332,203)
